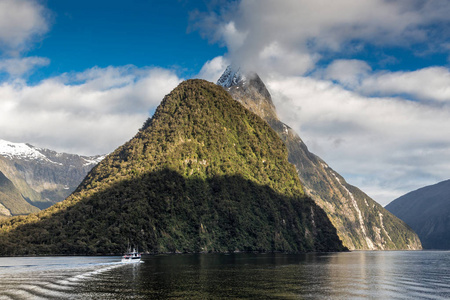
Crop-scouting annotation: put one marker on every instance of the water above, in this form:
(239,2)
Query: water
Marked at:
(355,275)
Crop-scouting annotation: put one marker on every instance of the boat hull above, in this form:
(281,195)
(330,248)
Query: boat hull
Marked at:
(131,256)
(131,260)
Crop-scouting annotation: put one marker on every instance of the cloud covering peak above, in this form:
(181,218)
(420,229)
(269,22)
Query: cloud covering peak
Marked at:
(291,36)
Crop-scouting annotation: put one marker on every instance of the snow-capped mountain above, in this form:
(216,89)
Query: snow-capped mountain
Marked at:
(40,176)
(248,89)
(19,150)
(231,76)
(28,152)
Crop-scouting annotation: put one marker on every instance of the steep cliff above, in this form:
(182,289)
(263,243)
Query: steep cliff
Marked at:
(361,223)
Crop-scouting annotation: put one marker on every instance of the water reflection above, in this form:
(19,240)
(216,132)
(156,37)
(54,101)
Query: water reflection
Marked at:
(355,275)
(381,275)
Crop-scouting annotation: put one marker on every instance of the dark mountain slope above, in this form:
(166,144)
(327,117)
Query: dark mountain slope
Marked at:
(427,211)
(204,174)
(361,223)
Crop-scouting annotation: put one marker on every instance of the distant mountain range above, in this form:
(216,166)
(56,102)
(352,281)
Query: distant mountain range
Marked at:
(427,211)
(34,178)
(361,222)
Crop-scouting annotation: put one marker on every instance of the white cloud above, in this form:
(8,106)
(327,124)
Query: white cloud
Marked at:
(88,113)
(276,58)
(348,73)
(259,33)
(385,146)
(213,69)
(21,22)
(17,67)
(429,84)
(233,37)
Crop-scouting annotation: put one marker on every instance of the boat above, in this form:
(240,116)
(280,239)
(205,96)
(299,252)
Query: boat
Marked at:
(131,256)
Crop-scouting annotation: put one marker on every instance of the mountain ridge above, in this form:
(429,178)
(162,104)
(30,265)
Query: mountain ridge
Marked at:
(27,151)
(41,176)
(426,210)
(349,209)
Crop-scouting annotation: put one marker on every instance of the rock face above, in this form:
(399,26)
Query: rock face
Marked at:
(203,174)
(40,177)
(427,211)
(361,223)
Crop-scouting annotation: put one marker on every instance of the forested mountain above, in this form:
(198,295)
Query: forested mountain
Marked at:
(361,222)
(39,177)
(427,211)
(203,174)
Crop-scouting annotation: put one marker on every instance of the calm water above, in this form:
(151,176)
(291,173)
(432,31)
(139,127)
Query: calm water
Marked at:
(355,275)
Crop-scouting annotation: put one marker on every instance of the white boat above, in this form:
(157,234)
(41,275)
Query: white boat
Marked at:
(131,256)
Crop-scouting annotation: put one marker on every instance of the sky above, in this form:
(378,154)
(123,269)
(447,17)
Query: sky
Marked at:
(366,84)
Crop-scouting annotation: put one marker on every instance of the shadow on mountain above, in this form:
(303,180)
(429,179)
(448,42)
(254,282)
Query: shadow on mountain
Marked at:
(166,212)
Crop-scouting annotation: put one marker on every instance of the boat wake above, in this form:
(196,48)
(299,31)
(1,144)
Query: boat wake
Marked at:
(48,281)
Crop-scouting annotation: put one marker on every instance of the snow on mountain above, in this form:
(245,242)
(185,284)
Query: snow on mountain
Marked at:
(93,160)
(28,152)
(231,76)
(20,150)
(41,176)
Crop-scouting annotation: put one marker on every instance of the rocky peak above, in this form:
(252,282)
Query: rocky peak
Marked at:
(231,76)
(244,86)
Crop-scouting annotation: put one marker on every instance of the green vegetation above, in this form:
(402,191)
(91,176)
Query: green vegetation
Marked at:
(204,174)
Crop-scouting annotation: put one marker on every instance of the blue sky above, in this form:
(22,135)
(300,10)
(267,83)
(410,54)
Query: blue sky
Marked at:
(114,33)
(366,84)
(144,33)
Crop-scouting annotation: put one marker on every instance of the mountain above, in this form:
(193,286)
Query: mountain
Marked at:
(361,222)
(427,211)
(11,200)
(40,177)
(203,174)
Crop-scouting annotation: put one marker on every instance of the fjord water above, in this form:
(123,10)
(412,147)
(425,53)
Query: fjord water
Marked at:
(358,275)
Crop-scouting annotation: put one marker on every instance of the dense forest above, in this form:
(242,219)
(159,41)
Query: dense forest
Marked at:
(204,174)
